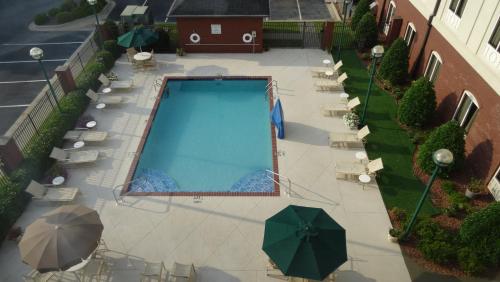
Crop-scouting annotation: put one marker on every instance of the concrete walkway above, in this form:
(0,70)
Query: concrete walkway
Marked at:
(223,236)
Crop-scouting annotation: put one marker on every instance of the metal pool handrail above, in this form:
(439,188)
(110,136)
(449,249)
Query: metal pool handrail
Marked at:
(288,184)
(271,85)
(119,198)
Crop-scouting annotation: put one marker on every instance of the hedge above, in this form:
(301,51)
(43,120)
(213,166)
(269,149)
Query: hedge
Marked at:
(362,8)
(112,47)
(41,19)
(69,11)
(448,136)
(418,104)
(366,32)
(88,78)
(394,66)
(106,58)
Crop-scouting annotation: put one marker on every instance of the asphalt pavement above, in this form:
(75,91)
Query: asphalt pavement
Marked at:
(21,78)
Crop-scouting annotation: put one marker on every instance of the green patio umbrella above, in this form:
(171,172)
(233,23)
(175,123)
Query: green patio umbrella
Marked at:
(138,37)
(305,242)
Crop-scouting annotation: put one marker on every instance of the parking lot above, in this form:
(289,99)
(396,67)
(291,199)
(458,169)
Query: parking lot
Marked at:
(21,78)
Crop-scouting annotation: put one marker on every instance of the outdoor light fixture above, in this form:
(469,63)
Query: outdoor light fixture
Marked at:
(344,9)
(377,52)
(442,158)
(98,30)
(37,54)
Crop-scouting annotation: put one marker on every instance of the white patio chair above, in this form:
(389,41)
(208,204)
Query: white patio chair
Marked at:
(331,85)
(320,72)
(348,139)
(44,193)
(351,170)
(86,136)
(109,100)
(154,270)
(340,109)
(78,157)
(183,272)
(35,276)
(119,84)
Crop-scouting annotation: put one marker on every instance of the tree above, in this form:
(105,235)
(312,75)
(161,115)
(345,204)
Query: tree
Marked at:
(394,66)
(366,32)
(418,104)
(448,136)
(361,9)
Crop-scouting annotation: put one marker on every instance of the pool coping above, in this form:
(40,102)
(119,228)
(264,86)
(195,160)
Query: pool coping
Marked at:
(145,134)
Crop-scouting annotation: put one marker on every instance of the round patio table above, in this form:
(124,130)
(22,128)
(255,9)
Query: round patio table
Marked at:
(361,156)
(58,180)
(106,90)
(329,73)
(142,56)
(78,144)
(91,124)
(100,106)
(327,62)
(364,179)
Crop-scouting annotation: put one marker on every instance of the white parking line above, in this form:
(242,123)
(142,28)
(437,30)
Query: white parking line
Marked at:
(46,43)
(170,10)
(298,7)
(15,106)
(32,61)
(22,81)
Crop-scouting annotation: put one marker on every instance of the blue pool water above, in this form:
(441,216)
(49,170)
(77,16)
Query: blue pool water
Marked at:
(208,136)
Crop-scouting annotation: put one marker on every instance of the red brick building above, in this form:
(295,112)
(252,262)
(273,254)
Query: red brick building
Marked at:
(455,44)
(221,26)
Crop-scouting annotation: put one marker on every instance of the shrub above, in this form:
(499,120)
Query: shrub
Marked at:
(394,66)
(113,48)
(53,12)
(448,187)
(163,43)
(88,78)
(362,8)
(418,104)
(470,261)
(475,185)
(106,58)
(112,29)
(437,251)
(67,6)
(64,17)
(41,19)
(450,136)
(366,32)
(12,203)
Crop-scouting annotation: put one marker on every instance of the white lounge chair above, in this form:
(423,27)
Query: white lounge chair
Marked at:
(35,276)
(121,84)
(154,270)
(340,109)
(183,272)
(110,100)
(86,136)
(44,193)
(348,139)
(331,85)
(350,170)
(320,72)
(78,157)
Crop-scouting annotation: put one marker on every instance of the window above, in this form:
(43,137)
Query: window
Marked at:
(432,70)
(467,109)
(458,6)
(388,18)
(215,29)
(495,37)
(409,34)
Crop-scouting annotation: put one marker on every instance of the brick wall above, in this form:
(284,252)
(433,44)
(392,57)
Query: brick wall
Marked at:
(230,41)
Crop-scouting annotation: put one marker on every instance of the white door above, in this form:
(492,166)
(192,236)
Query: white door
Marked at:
(388,18)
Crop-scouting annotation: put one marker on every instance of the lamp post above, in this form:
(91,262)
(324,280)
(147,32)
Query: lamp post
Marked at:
(344,10)
(442,158)
(377,52)
(93,3)
(37,54)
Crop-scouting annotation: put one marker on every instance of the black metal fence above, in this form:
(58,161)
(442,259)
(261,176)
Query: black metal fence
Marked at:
(3,175)
(293,34)
(344,36)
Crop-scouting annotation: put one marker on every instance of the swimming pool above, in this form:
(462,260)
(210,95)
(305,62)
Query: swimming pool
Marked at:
(208,137)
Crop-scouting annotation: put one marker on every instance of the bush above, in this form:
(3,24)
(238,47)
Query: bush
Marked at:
(106,58)
(437,251)
(366,32)
(112,29)
(53,12)
(64,17)
(394,66)
(88,78)
(41,19)
(418,104)
(448,187)
(362,8)
(113,48)
(449,136)
(12,202)
(483,224)
(67,6)
(470,261)
(163,43)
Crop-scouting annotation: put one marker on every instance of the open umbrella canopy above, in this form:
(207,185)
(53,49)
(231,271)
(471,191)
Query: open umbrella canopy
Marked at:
(61,238)
(138,37)
(305,242)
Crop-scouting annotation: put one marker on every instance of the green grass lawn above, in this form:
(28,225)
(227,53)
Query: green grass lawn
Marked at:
(398,185)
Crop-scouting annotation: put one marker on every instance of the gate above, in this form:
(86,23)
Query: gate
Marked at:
(293,34)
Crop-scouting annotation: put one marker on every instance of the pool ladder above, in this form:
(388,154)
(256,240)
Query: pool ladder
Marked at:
(270,86)
(282,181)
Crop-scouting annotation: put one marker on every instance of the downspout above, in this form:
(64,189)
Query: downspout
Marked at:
(426,37)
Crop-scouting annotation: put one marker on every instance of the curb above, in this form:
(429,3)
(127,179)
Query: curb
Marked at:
(83,24)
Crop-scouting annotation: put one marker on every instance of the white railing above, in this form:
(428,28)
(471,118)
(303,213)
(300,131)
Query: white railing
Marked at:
(281,179)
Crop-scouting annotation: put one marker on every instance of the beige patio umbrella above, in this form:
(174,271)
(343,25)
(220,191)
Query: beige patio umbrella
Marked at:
(61,238)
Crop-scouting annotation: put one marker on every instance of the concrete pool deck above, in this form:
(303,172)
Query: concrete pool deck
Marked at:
(222,236)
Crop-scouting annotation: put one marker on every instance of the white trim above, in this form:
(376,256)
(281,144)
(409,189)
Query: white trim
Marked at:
(438,57)
(459,105)
(388,18)
(494,185)
(33,61)
(14,106)
(46,43)
(408,26)
(221,44)
(22,81)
